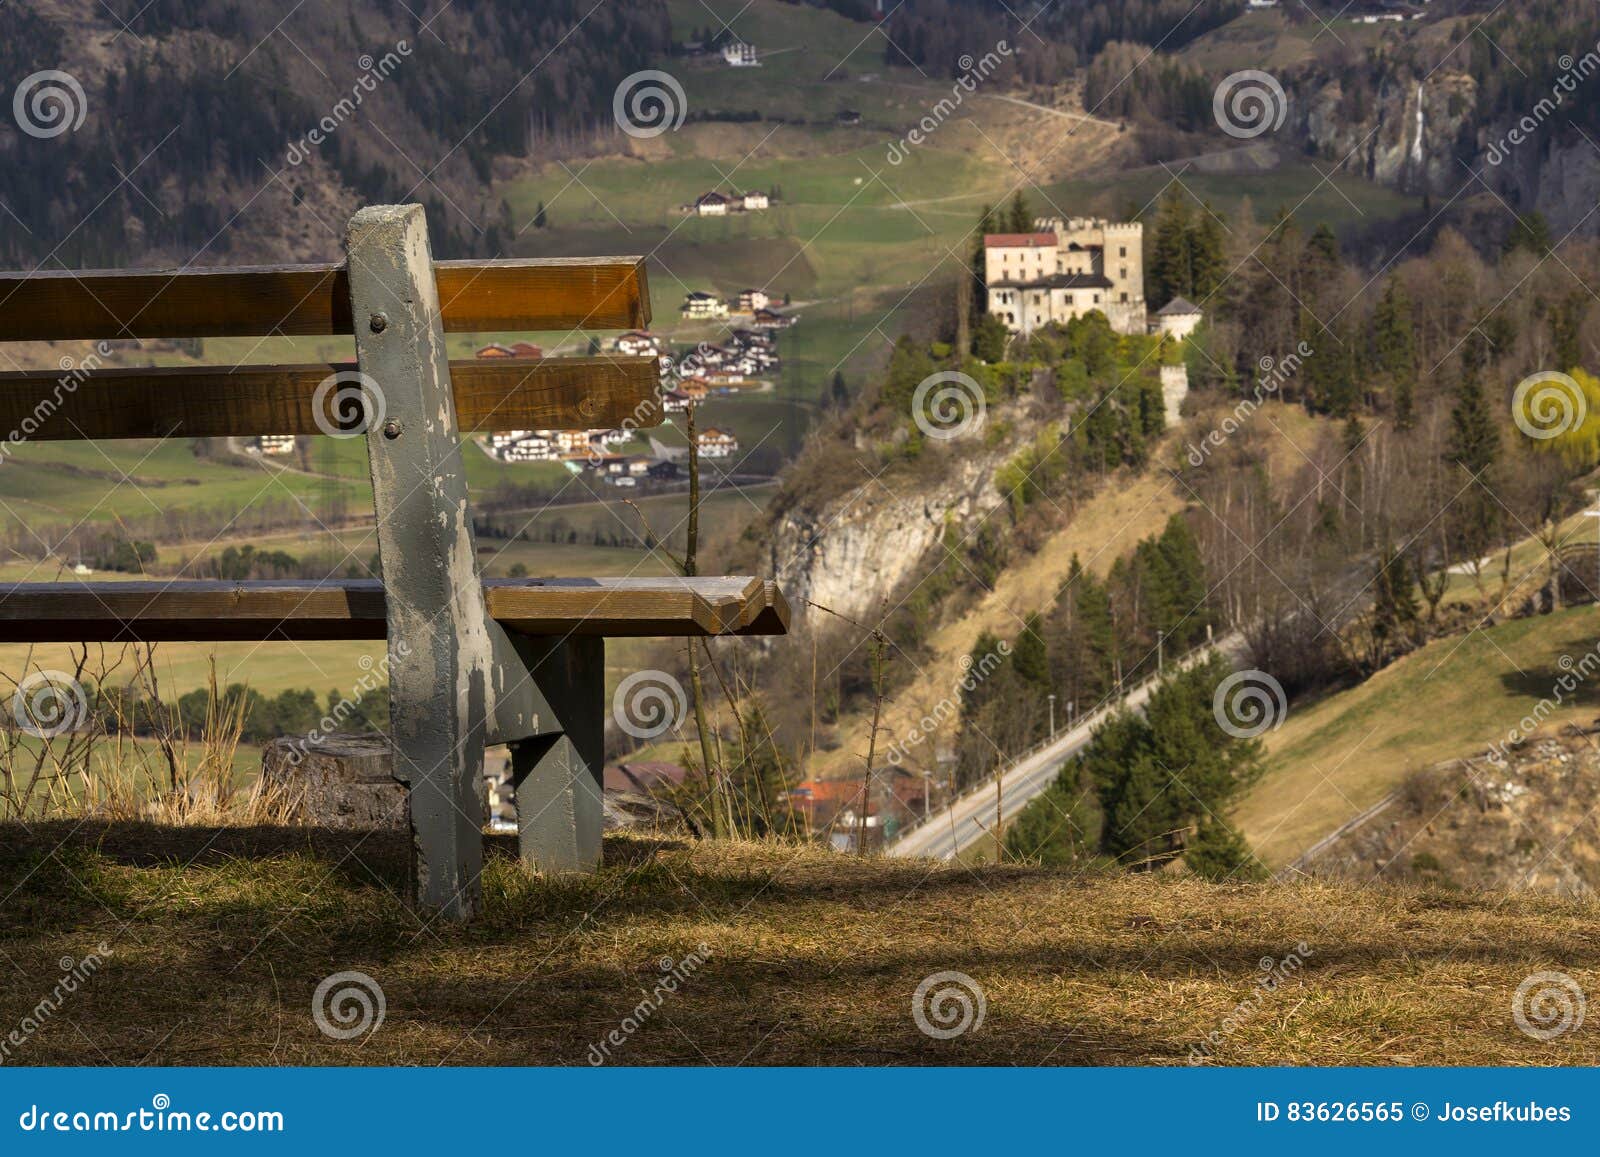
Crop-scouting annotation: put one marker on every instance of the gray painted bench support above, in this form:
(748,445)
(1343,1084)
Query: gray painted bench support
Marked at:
(457,681)
(558,778)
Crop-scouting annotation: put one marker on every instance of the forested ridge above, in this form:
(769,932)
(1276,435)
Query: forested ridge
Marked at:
(196,112)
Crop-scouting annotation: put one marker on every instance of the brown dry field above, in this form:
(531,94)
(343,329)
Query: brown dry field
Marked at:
(218,937)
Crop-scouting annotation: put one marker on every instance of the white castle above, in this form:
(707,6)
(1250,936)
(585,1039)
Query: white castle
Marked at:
(1064,269)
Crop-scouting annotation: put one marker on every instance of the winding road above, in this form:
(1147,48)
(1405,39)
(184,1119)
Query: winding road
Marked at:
(970,818)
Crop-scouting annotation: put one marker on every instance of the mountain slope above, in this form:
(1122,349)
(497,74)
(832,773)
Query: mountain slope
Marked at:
(1335,757)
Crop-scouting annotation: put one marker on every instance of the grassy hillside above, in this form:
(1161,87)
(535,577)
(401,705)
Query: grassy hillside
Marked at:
(1335,757)
(804,957)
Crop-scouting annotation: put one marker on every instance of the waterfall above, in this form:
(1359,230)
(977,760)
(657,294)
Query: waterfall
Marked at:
(1416,145)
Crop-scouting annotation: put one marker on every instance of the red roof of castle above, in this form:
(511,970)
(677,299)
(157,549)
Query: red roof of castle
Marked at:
(1017,240)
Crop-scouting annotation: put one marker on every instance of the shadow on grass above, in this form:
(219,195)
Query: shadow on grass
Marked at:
(217,938)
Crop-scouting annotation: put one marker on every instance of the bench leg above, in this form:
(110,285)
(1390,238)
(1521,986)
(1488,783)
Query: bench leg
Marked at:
(440,646)
(558,778)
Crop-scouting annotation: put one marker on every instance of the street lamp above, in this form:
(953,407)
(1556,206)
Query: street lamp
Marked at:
(1052,717)
(1161,663)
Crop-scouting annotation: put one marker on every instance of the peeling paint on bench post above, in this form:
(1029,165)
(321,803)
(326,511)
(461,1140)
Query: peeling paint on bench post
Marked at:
(440,649)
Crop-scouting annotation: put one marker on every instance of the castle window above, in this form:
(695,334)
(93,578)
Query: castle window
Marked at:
(1122,251)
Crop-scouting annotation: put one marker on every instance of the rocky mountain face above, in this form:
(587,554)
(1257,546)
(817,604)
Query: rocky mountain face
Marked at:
(848,554)
(1424,136)
(1407,136)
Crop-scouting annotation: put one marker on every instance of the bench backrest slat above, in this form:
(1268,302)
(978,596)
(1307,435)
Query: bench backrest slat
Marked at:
(301,300)
(215,401)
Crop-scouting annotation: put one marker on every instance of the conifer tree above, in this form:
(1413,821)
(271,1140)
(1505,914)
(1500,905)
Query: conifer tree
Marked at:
(1474,441)
(1171,265)
(1028,655)
(1394,351)
(1207,256)
(1018,217)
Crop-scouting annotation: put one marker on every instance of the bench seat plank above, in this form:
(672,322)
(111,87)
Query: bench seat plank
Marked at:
(215,401)
(211,611)
(519,294)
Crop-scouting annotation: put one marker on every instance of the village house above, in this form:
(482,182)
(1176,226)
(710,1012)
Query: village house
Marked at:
(751,340)
(568,441)
(500,439)
(738,54)
(750,300)
(275,445)
(637,343)
(605,463)
(1064,270)
(522,349)
(533,448)
(711,204)
(715,443)
(700,306)
(771,319)
(715,204)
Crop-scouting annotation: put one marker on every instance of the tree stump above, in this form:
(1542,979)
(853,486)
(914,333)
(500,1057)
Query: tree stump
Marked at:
(347,781)
(337,781)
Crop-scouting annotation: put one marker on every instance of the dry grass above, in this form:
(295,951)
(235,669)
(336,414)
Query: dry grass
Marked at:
(1335,757)
(218,938)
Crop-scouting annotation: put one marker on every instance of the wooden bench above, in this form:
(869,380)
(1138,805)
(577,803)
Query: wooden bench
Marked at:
(470,662)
